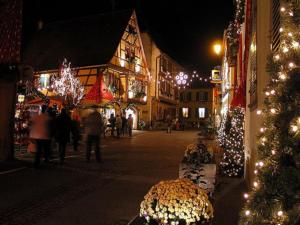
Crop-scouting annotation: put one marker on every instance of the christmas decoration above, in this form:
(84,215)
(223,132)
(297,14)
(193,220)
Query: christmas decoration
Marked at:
(224,129)
(275,197)
(68,86)
(99,92)
(232,163)
(10,27)
(176,202)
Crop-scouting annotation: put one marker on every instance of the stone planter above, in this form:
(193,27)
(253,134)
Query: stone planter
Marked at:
(204,175)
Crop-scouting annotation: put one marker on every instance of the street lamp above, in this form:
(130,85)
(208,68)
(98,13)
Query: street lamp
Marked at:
(217,48)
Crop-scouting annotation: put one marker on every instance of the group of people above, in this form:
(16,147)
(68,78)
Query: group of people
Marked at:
(48,128)
(120,124)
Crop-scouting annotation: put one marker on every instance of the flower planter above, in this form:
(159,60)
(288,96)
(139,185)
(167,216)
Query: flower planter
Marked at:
(204,175)
(141,221)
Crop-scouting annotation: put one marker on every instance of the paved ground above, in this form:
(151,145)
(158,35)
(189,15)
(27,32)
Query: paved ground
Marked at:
(78,193)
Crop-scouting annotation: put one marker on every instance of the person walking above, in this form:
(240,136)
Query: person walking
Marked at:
(112,121)
(169,124)
(124,125)
(130,124)
(75,130)
(104,125)
(93,125)
(118,125)
(63,128)
(41,134)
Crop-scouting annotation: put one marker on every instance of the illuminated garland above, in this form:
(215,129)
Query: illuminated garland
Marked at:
(275,198)
(68,86)
(232,163)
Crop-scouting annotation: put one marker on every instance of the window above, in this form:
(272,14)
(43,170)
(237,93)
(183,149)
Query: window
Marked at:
(185,112)
(203,96)
(201,112)
(189,96)
(182,96)
(44,80)
(197,96)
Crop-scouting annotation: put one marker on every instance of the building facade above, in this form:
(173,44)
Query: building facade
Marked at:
(197,105)
(163,91)
(106,51)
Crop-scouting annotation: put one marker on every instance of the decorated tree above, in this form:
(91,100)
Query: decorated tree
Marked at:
(224,129)
(232,163)
(68,86)
(275,198)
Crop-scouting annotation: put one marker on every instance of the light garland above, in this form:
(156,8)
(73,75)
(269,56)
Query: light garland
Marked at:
(274,198)
(68,86)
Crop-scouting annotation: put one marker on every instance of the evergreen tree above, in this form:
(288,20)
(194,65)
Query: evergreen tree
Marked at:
(232,163)
(275,198)
(224,129)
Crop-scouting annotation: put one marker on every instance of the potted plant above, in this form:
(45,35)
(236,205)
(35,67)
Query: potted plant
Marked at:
(176,202)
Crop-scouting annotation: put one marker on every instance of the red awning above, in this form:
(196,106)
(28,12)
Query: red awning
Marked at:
(99,92)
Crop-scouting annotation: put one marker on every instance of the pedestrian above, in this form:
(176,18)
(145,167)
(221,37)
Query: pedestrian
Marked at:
(40,133)
(52,128)
(63,128)
(130,124)
(118,125)
(169,123)
(75,130)
(104,125)
(112,121)
(124,124)
(94,124)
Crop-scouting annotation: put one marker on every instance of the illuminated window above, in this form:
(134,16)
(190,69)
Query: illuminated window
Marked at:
(185,112)
(201,112)
(44,80)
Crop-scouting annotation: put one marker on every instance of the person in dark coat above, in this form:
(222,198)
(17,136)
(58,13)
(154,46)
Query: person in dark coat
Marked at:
(124,125)
(75,130)
(112,121)
(63,127)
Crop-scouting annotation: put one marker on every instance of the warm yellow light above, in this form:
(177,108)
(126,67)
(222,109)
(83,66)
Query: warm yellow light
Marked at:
(247,212)
(290,34)
(285,49)
(291,65)
(279,213)
(273,92)
(294,128)
(273,111)
(246,196)
(258,112)
(273,152)
(255,184)
(282,76)
(217,49)
(282,9)
(295,44)
(261,164)
(267,93)
(277,57)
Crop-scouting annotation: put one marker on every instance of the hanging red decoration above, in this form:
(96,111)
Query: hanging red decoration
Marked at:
(99,92)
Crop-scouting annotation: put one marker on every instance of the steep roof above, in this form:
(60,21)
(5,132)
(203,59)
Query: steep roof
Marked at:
(84,41)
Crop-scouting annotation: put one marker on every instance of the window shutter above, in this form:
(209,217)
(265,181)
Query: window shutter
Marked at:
(197,96)
(180,113)
(206,112)
(196,113)
(190,112)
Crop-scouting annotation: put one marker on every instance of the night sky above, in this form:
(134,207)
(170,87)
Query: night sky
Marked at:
(184,29)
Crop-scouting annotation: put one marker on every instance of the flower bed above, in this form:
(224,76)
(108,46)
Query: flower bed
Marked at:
(197,154)
(178,202)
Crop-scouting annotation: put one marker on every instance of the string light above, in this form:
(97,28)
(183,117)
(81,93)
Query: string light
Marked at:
(267,93)
(281,29)
(282,76)
(255,184)
(273,152)
(280,213)
(291,65)
(258,112)
(277,57)
(273,111)
(273,92)
(282,9)
(294,128)
(247,212)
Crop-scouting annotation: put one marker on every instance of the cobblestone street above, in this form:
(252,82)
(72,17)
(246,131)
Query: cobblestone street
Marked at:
(79,193)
